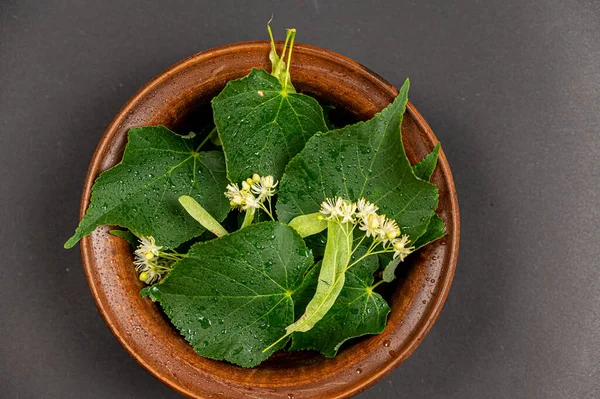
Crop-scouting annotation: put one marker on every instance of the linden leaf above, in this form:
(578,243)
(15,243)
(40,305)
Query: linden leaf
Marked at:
(127,235)
(435,230)
(330,282)
(424,169)
(231,296)
(357,311)
(367,160)
(141,193)
(261,126)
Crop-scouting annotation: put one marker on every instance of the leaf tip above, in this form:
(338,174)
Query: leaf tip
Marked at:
(72,241)
(185,199)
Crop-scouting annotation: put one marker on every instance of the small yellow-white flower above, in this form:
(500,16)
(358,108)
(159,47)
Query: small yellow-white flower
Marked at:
(149,276)
(365,208)
(147,250)
(250,201)
(348,212)
(154,270)
(370,225)
(331,208)
(388,229)
(263,186)
(254,191)
(235,195)
(400,247)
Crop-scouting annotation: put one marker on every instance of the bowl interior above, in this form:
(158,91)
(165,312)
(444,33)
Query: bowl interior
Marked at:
(179,98)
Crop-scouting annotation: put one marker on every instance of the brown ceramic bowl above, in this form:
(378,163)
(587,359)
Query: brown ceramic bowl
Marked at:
(177,98)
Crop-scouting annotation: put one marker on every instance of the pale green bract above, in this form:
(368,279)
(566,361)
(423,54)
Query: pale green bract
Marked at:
(331,279)
(308,225)
(357,311)
(202,216)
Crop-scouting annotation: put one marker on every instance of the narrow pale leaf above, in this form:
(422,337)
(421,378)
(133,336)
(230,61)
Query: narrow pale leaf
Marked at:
(308,225)
(279,67)
(202,216)
(331,277)
(357,311)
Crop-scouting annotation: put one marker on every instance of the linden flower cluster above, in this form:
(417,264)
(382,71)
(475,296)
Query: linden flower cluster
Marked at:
(363,213)
(253,194)
(151,262)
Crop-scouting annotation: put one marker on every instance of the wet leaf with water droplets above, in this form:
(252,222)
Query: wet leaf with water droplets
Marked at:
(231,297)
(261,128)
(435,227)
(357,311)
(339,163)
(435,230)
(141,193)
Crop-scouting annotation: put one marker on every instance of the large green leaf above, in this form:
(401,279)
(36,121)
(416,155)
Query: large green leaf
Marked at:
(357,311)
(232,296)
(262,126)
(141,193)
(362,160)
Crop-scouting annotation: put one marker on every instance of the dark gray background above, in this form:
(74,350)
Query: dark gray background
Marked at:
(511,89)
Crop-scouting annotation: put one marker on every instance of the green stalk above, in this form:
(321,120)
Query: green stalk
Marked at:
(248,218)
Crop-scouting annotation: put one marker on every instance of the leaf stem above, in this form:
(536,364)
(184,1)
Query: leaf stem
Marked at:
(214,129)
(367,254)
(248,218)
(267,211)
(358,245)
(275,343)
(376,284)
(171,255)
(271,36)
(287,38)
(292,36)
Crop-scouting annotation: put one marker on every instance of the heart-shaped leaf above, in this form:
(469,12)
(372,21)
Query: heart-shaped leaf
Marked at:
(367,160)
(262,126)
(141,193)
(232,296)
